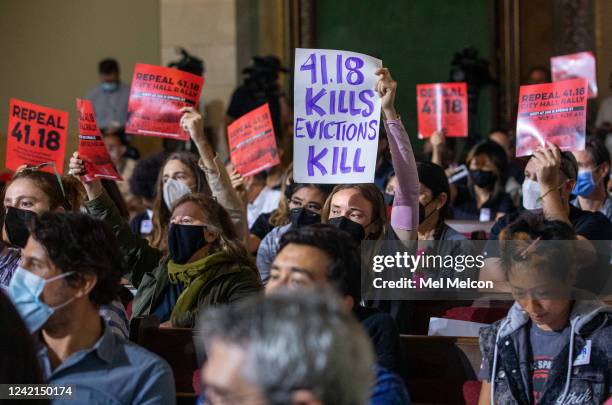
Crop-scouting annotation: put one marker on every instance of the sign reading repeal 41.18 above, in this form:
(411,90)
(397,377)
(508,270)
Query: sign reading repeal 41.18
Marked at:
(36,135)
(337,115)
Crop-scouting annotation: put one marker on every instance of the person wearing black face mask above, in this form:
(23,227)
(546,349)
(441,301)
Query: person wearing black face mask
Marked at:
(304,204)
(483,197)
(433,204)
(206,264)
(16,223)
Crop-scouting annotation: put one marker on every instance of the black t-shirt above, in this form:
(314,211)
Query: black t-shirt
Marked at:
(591,225)
(261,227)
(384,335)
(465,207)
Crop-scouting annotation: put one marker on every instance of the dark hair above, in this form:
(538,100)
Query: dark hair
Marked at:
(161,213)
(344,271)
(569,165)
(81,244)
(598,153)
(498,156)
(433,177)
(522,241)
(108,66)
(19,363)
(144,177)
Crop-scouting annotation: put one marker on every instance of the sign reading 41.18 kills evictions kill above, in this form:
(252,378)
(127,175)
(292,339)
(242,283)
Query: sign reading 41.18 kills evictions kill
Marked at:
(337,115)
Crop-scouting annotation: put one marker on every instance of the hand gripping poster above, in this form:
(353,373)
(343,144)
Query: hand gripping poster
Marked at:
(552,112)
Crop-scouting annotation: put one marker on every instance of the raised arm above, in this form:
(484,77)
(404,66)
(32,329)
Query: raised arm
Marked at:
(139,257)
(216,175)
(405,213)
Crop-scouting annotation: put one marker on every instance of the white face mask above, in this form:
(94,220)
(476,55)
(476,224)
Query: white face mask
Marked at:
(531,195)
(173,190)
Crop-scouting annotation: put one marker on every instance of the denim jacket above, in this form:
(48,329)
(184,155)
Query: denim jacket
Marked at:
(580,373)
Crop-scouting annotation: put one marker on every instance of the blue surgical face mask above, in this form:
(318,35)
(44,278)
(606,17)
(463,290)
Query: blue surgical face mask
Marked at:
(109,87)
(585,185)
(25,289)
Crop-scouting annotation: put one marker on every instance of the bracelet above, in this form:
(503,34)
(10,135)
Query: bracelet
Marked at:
(540,198)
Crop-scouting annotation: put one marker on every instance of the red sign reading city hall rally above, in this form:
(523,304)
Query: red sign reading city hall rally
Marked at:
(442,107)
(36,135)
(92,149)
(552,112)
(251,142)
(156,96)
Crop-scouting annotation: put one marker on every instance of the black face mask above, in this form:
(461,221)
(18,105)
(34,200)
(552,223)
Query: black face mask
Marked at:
(184,241)
(303,217)
(388,198)
(16,223)
(423,213)
(483,178)
(352,227)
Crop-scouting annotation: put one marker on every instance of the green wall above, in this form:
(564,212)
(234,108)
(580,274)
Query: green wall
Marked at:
(416,39)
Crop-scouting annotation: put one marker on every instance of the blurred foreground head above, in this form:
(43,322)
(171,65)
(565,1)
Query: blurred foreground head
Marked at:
(288,348)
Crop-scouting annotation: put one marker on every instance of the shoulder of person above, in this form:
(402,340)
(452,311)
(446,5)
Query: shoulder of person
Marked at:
(487,336)
(448,233)
(501,223)
(142,358)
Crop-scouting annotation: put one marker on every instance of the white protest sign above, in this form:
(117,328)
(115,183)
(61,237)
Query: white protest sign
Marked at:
(337,115)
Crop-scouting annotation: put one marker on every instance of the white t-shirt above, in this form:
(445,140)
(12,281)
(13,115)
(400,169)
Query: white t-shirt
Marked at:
(266,201)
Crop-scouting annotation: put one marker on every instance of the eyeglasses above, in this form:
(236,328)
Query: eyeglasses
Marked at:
(314,207)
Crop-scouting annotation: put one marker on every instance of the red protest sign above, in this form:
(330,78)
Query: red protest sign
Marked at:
(92,149)
(36,135)
(573,66)
(442,107)
(156,96)
(552,112)
(251,142)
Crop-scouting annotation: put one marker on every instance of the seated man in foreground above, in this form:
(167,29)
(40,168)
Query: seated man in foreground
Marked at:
(69,267)
(288,348)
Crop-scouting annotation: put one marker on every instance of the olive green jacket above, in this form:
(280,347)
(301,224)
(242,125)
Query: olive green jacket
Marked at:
(219,278)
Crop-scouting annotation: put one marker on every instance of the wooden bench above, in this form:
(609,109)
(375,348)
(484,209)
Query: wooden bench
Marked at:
(175,345)
(436,367)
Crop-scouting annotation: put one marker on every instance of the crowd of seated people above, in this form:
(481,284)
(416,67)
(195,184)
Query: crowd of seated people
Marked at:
(267,273)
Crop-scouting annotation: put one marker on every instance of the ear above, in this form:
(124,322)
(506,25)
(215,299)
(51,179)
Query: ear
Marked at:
(304,397)
(604,169)
(442,199)
(88,282)
(60,209)
(569,186)
(210,236)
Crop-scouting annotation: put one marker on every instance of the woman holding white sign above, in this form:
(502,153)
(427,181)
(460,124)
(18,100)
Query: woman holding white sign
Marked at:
(359,209)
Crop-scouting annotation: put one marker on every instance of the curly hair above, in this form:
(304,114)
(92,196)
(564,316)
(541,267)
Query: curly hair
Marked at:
(78,243)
